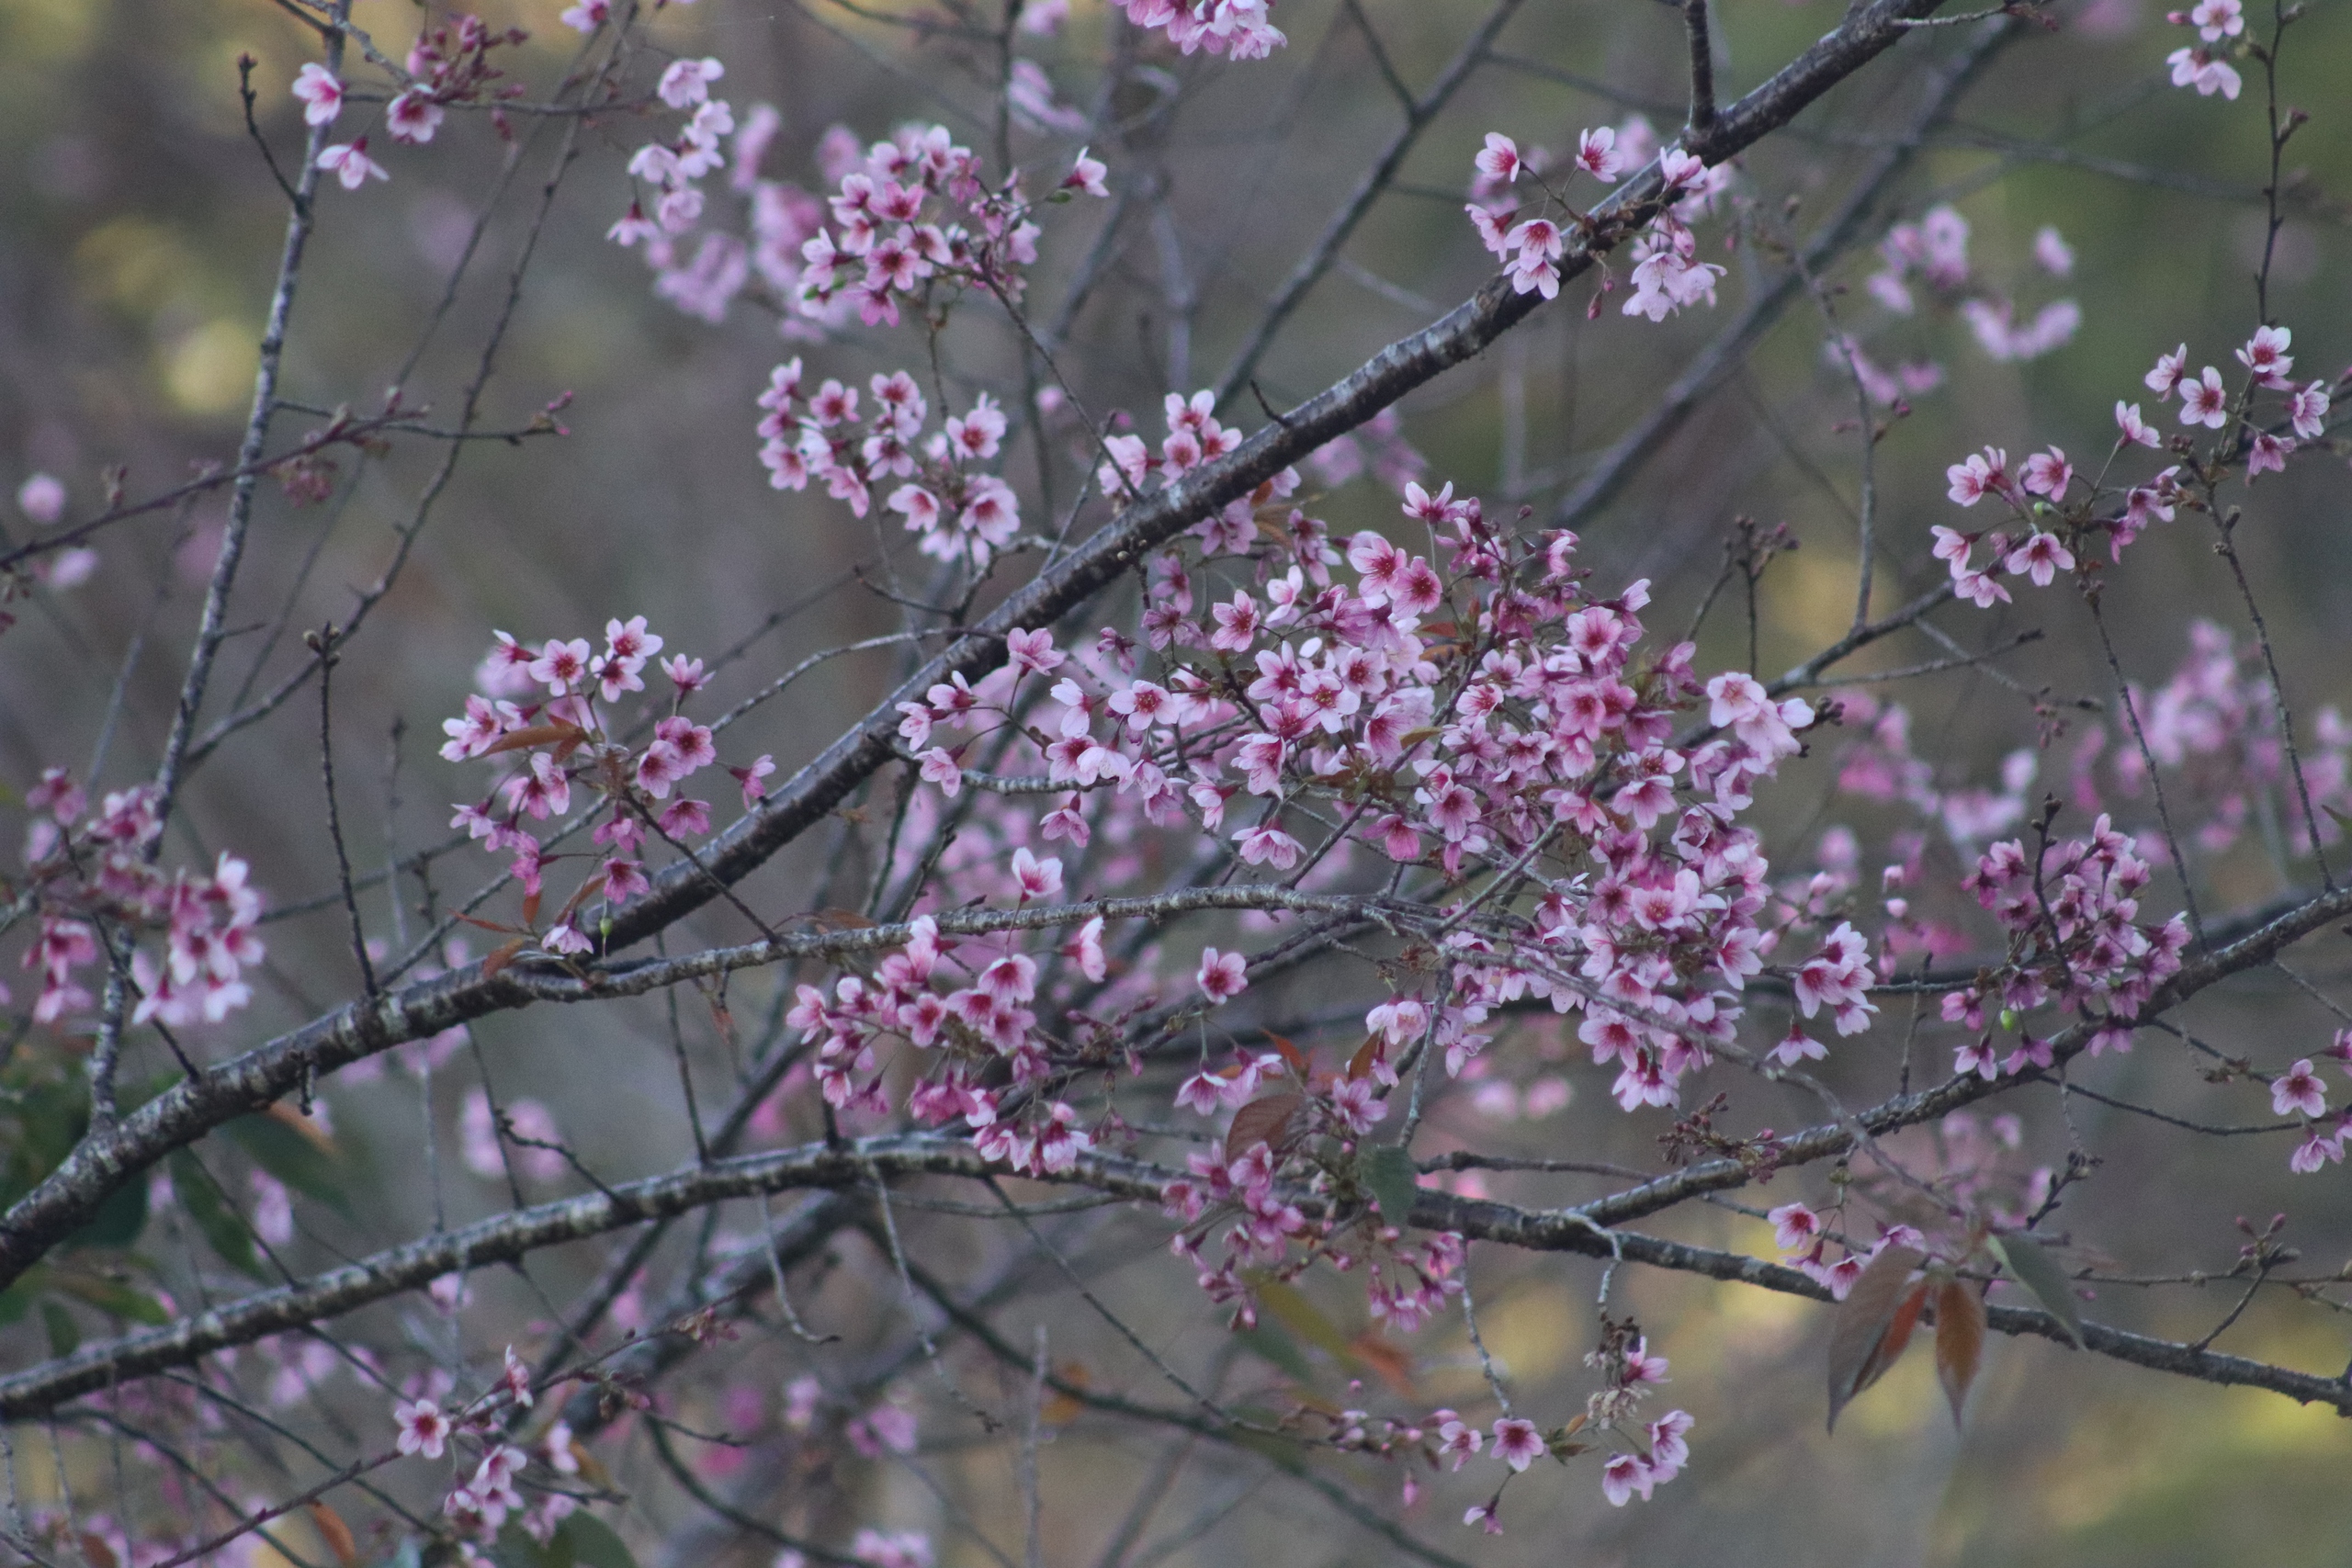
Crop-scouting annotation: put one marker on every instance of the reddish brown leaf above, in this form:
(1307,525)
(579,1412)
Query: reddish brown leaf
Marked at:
(278,1110)
(839,919)
(1392,1363)
(1960,1339)
(505,955)
(1061,1408)
(564,735)
(96,1551)
(1265,1120)
(336,1534)
(1366,1055)
(1291,1054)
(531,908)
(1873,1324)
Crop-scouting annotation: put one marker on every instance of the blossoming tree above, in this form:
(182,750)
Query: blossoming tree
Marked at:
(1246,839)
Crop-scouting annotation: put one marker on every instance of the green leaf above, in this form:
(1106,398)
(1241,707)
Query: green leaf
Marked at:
(116,1300)
(222,1228)
(64,1339)
(515,1549)
(1387,1173)
(2038,1272)
(1273,1345)
(593,1543)
(294,1160)
(118,1220)
(17,1299)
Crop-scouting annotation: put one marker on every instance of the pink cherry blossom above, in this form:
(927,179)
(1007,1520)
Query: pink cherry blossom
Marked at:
(1033,877)
(423,1429)
(1794,1227)
(2299,1089)
(1598,156)
(2217,19)
(2170,371)
(687,81)
(2266,354)
(2203,400)
(2206,72)
(1622,1476)
(349,163)
(412,117)
(321,92)
(2047,473)
(1517,1442)
(42,499)
(1498,161)
(1086,175)
(1221,975)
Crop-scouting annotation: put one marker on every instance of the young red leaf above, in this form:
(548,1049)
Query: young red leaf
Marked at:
(1960,1339)
(1873,1324)
(1266,1120)
(566,736)
(1289,1053)
(336,1533)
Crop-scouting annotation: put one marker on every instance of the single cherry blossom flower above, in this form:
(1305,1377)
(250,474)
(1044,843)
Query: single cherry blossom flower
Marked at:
(424,1429)
(1221,975)
(2216,19)
(1500,160)
(2195,68)
(1517,1442)
(1597,155)
(1794,1227)
(1086,175)
(42,498)
(2266,354)
(412,117)
(349,163)
(322,95)
(2203,400)
(2299,1089)
(687,81)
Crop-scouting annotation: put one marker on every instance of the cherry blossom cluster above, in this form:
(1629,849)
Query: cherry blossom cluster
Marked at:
(2069,911)
(92,872)
(449,63)
(675,168)
(1487,718)
(2215,722)
(959,509)
(1316,1124)
(569,737)
(481,1505)
(1667,273)
(1970,1164)
(1930,256)
(2204,66)
(1242,28)
(1655,1453)
(2059,514)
